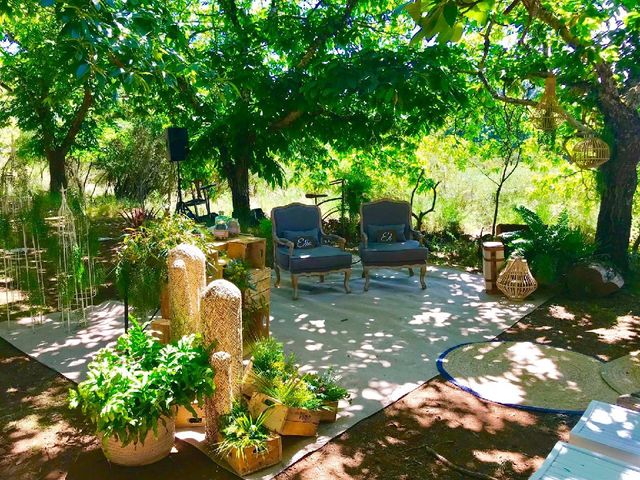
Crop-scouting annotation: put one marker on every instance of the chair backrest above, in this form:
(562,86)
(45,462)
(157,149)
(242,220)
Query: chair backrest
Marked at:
(295,217)
(386,212)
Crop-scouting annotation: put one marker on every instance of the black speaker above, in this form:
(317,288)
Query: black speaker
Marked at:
(177,144)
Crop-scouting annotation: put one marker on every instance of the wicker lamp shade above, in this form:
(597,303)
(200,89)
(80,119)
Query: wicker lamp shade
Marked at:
(547,115)
(590,153)
(516,280)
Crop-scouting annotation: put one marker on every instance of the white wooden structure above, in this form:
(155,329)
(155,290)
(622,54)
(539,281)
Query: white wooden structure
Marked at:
(568,462)
(611,430)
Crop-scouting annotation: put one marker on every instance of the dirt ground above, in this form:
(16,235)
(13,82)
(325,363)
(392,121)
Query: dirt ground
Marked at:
(42,439)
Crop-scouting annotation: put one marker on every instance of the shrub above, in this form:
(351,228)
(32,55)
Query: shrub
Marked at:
(551,250)
(141,264)
(131,386)
(325,386)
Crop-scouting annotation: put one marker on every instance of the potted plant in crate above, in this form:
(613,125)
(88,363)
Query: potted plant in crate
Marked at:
(291,407)
(133,389)
(245,442)
(325,387)
(268,361)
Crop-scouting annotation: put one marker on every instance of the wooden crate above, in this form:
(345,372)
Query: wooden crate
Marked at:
(249,386)
(329,413)
(610,430)
(185,419)
(568,462)
(251,249)
(252,460)
(285,420)
(257,323)
(160,328)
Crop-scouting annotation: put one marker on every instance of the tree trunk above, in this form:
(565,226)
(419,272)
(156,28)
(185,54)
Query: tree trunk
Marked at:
(238,178)
(57,170)
(620,179)
(495,211)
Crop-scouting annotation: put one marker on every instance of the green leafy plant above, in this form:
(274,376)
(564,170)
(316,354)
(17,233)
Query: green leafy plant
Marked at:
(551,250)
(292,392)
(133,385)
(325,386)
(238,272)
(270,360)
(141,268)
(240,431)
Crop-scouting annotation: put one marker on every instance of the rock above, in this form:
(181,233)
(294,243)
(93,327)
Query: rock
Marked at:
(594,279)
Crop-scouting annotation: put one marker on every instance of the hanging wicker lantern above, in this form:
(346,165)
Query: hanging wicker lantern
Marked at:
(590,153)
(547,115)
(516,280)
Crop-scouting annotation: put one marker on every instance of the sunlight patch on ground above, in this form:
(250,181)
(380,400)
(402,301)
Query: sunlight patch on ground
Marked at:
(521,463)
(626,328)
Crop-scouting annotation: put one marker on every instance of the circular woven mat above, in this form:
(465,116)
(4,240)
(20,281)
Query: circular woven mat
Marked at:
(527,375)
(623,374)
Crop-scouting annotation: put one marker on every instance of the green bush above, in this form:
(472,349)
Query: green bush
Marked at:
(131,386)
(550,250)
(141,264)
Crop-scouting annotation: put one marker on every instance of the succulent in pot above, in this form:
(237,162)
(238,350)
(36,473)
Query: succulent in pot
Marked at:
(133,389)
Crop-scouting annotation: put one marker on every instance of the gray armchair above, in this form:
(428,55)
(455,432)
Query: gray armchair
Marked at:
(388,240)
(301,248)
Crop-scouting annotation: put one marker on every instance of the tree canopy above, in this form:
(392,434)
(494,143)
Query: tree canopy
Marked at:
(591,48)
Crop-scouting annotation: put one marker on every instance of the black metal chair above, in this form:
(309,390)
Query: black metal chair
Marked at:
(388,240)
(301,248)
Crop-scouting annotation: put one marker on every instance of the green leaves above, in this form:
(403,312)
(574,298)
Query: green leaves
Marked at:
(445,19)
(130,387)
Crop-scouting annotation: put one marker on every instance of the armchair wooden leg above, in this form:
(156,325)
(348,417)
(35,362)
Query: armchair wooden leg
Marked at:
(294,285)
(363,274)
(277,269)
(347,276)
(423,273)
(411,272)
(366,279)
(321,278)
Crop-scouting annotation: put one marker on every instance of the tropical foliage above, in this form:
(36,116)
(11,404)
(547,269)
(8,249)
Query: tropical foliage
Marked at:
(141,268)
(132,386)
(240,430)
(550,249)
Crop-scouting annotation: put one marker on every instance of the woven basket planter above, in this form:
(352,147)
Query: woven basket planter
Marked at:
(152,449)
(282,419)
(516,280)
(252,460)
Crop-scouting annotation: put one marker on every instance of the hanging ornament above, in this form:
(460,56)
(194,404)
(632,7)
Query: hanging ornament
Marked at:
(516,280)
(547,114)
(590,152)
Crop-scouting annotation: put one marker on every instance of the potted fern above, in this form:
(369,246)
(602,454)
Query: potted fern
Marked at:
(245,442)
(133,390)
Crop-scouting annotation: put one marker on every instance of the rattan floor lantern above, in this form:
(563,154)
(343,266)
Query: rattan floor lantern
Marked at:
(516,280)
(590,152)
(547,115)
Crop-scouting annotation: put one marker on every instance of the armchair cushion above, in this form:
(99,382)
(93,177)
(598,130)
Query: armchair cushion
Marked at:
(318,259)
(409,252)
(386,233)
(303,238)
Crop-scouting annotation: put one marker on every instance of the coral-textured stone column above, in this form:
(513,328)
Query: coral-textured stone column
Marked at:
(187,279)
(220,403)
(221,321)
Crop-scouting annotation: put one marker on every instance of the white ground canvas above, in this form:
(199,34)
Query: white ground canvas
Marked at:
(383,343)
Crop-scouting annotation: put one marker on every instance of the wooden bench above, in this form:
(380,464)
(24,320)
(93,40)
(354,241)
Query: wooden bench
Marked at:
(569,462)
(611,430)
